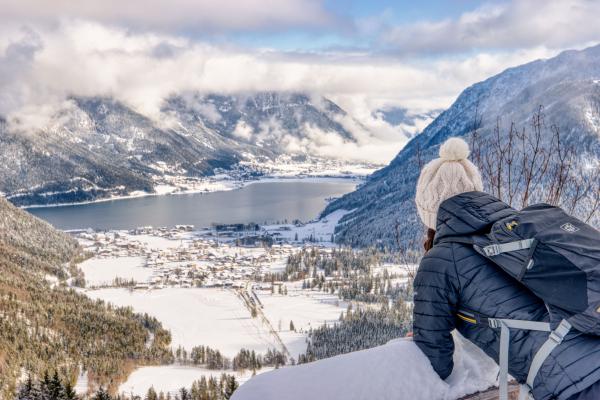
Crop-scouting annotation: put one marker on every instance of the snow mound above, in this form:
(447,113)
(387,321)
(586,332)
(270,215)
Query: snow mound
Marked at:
(397,370)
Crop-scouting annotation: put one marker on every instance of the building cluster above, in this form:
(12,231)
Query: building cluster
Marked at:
(182,257)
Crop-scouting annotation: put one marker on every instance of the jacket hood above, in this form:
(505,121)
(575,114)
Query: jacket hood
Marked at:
(469,213)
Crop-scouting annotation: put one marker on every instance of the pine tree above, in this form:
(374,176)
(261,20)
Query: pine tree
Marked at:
(45,387)
(230,386)
(292,327)
(55,388)
(101,394)
(26,390)
(151,394)
(203,388)
(184,394)
(69,392)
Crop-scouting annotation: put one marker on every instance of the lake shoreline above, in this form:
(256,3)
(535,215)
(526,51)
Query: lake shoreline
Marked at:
(236,185)
(263,201)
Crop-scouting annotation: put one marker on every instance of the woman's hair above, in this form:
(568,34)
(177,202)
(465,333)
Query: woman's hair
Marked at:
(428,244)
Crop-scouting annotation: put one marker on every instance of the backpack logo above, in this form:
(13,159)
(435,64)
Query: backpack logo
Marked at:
(569,227)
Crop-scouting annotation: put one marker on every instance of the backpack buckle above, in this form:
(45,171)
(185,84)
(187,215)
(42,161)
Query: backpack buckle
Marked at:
(492,250)
(558,335)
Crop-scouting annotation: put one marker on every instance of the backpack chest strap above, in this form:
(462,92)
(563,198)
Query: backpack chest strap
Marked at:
(499,248)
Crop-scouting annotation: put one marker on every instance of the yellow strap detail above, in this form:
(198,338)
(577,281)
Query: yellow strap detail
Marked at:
(465,318)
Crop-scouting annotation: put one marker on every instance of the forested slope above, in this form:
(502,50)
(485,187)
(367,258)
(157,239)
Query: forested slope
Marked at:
(47,326)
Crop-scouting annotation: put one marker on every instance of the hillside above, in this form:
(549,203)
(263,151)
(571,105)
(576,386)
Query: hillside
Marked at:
(396,370)
(566,86)
(97,147)
(45,326)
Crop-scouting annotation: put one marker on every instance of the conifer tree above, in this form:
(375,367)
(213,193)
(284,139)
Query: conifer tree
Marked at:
(151,394)
(184,394)
(55,388)
(102,394)
(230,385)
(69,392)
(27,390)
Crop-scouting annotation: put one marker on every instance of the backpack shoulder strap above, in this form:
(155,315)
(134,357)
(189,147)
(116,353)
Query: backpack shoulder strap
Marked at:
(492,249)
(457,239)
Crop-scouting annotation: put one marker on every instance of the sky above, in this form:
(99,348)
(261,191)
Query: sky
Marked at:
(364,55)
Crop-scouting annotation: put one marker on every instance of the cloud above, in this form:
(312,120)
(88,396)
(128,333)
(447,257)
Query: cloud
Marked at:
(243,131)
(177,15)
(519,24)
(42,67)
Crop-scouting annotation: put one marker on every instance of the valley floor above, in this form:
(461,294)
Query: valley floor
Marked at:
(208,290)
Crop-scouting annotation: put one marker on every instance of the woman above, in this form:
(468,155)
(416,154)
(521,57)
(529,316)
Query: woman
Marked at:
(454,276)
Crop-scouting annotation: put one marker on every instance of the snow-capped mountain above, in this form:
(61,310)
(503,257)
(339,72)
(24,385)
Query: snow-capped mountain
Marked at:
(568,88)
(99,147)
(410,123)
(268,120)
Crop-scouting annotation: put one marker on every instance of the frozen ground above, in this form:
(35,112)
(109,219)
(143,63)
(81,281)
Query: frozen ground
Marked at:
(398,370)
(211,317)
(103,271)
(170,378)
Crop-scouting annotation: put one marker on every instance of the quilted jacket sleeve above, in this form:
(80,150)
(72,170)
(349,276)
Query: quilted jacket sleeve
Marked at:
(435,302)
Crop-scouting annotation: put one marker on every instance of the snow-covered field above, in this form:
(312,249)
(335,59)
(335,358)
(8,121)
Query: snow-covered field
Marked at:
(201,316)
(305,309)
(171,378)
(397,370)
(103,271)
(320,230)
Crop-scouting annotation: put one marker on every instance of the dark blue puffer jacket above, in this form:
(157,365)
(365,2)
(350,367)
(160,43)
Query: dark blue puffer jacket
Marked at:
(453,276)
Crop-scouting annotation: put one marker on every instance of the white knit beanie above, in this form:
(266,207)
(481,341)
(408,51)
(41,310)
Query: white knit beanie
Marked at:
(444,177)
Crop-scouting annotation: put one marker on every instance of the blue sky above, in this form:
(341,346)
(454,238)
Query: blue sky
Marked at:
(346,31)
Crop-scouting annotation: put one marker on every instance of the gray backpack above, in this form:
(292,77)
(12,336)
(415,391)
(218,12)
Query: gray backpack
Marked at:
(557,257)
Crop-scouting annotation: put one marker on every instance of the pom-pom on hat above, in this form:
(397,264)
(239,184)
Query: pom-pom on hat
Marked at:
(444,177)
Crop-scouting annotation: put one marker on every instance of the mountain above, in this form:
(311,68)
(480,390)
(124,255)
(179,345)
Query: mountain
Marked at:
(568,88)
(98,147)
(383,372)
(262,119)
(45,326)
(410,123)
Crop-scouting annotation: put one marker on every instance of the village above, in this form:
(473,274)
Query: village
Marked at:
(219,256)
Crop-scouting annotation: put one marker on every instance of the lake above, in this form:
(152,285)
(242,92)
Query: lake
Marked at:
(261,201)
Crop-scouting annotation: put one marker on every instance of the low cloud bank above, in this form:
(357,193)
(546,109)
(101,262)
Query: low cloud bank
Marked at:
(42,66)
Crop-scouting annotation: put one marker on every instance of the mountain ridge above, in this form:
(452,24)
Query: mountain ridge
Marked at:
(97,147)
(383,206)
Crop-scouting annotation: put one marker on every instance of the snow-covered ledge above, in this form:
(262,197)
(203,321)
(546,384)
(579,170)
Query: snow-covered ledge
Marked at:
(397,370)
